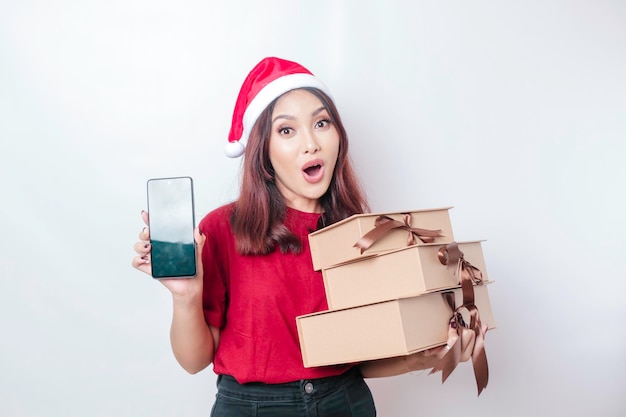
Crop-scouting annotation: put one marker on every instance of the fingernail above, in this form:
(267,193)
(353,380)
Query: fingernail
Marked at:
(146,246)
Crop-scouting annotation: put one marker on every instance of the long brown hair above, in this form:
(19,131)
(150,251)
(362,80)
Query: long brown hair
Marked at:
(257,220)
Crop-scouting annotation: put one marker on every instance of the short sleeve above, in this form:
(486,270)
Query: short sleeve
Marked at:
(215,263)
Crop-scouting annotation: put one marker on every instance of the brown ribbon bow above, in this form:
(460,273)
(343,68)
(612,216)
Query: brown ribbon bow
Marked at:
(384,224)
(459,330)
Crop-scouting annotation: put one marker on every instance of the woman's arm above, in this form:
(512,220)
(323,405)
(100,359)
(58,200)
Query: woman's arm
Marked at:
(193,341)
(402,364)
(421,360)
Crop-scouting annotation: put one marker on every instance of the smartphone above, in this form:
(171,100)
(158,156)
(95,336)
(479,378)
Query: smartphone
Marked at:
(172,222)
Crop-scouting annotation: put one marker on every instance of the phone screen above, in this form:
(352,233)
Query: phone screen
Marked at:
(170,207)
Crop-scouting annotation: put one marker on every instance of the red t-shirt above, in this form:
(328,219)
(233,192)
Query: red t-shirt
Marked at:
(254,301)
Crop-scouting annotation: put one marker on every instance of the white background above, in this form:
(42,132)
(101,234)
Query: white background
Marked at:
(512,112)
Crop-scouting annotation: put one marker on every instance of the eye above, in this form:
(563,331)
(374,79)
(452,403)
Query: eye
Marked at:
(285,131)
(322,124)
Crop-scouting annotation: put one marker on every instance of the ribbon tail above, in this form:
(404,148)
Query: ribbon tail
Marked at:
(452,357)
(479,360)
(448,362)
(425,235)
(481,369)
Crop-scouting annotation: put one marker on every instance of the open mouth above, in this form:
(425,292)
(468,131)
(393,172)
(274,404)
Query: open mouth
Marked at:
(313,171)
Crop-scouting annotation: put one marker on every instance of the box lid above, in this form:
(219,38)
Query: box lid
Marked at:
(387,213)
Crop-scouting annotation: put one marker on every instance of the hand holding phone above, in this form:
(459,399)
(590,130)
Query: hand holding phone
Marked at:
(172,223)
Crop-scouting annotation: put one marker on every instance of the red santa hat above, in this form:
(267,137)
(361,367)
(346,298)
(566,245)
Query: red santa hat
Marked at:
(268,80)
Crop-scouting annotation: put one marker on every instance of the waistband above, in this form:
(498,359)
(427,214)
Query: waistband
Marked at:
(307,388)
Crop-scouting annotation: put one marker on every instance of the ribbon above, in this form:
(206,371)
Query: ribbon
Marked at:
(384,224)
(468,275)
(460,332)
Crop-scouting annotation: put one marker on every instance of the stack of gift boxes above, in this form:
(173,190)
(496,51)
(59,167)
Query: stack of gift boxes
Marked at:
(385,290)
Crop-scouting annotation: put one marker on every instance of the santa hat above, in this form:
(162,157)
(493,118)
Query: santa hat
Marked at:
(268,80)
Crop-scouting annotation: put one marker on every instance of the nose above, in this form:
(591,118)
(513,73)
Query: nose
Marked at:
(311,144)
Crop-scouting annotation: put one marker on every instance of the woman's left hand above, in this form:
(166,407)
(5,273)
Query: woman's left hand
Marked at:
(425,359)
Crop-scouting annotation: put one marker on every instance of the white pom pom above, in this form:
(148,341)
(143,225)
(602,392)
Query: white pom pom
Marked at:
(234,149)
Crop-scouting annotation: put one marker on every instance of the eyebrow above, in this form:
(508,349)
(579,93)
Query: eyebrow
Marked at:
(290,117)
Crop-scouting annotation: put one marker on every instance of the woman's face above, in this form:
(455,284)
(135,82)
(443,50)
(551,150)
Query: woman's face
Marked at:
(303,149)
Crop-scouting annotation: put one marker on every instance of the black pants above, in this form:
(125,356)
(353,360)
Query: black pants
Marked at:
(345,395)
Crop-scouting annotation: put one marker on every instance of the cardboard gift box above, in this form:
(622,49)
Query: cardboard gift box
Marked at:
(382,330)
(335,244)
(400,273)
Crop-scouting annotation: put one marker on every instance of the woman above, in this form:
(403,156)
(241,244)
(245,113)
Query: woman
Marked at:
(256,274)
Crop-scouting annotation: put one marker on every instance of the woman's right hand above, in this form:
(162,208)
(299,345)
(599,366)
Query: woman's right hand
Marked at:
(179,287)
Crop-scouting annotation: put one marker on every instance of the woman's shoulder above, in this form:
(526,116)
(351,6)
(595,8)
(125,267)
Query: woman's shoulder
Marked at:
(217,217)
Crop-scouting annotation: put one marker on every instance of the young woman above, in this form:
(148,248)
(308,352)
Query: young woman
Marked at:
(256,275)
